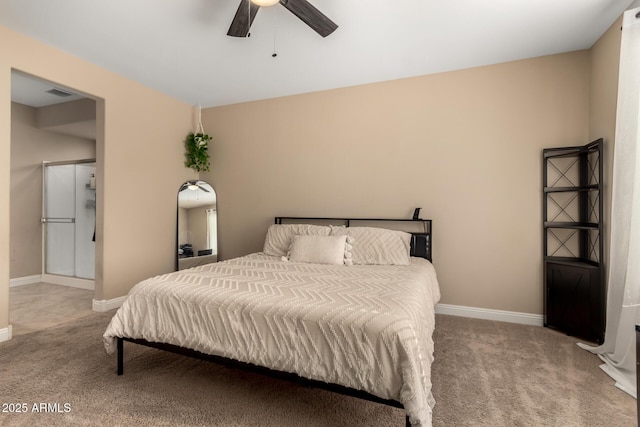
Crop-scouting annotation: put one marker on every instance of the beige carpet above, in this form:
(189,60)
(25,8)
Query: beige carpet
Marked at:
(486,373)
(502,374)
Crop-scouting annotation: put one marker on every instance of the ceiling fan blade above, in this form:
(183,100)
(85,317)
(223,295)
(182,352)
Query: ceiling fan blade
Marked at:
(310,16)
(245,15)
(203,189)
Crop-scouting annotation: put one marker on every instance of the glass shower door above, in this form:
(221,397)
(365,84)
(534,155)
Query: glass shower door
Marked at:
(59,219)
(69,220)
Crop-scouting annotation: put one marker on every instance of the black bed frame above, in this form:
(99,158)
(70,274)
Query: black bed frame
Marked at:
(420,240)
(420,247)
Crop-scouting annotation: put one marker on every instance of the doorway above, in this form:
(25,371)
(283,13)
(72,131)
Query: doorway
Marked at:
(53,141)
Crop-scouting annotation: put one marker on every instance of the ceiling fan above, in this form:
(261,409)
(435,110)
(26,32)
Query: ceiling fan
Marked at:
(304,10)
(193,185)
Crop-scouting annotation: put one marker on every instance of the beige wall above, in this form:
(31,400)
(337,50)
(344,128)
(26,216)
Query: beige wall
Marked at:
(604,65)
(72,118)
(31,146)
(465,146)
(139,169)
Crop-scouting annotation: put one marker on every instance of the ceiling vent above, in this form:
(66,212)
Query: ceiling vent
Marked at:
(58,92)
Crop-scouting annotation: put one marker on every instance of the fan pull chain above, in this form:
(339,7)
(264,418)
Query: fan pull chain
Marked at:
(274,54)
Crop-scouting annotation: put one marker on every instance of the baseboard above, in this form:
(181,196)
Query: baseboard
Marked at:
(74,282)
(5,334)
(108,304)
(489,314)
(26,280)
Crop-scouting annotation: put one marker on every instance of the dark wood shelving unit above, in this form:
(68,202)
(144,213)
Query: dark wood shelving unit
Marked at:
(574,285)
(573,225)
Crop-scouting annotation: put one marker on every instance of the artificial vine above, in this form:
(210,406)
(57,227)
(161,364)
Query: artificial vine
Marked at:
(197,153)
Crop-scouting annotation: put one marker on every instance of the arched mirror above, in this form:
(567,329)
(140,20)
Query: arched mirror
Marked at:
(197,225)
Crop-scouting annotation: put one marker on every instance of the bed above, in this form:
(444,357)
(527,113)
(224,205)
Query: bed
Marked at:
(344,308)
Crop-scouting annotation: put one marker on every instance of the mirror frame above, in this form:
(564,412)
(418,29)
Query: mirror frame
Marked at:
(204,197)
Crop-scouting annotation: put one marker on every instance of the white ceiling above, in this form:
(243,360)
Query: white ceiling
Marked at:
(181,47)
(34,92)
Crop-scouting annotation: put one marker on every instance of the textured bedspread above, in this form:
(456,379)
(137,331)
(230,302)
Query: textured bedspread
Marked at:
(364,327)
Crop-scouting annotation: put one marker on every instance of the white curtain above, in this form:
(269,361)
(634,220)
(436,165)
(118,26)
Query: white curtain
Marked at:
(623,295)
(212,230)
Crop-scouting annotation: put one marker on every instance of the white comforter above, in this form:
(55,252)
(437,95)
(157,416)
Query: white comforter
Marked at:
(364,327)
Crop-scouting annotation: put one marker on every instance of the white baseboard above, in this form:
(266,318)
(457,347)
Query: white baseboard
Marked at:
(489,314)
(108,304)
(74,282)
(5,334)
(26,280)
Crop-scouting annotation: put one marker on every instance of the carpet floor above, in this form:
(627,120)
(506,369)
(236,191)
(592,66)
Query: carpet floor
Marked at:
(486,374)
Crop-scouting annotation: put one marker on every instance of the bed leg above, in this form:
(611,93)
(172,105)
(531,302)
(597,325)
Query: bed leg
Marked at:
(120,356)
(407,423)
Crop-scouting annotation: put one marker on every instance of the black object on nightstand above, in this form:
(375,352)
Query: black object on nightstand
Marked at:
(574,286)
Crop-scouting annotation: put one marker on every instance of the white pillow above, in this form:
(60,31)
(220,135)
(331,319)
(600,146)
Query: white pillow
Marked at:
(377,246)
(280,236)
(318,249)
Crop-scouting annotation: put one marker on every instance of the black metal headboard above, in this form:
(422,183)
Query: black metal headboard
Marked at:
(420,239)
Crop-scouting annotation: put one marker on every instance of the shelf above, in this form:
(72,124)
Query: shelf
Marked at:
(570,189)
(574,286)
(576,262)
(564,152)
(549,153)
(573,225)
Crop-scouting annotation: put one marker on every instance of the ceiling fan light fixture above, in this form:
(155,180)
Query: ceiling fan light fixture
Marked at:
(302,9)
(265,3)
(193,187)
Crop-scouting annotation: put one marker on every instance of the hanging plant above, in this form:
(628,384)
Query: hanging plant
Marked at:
(197,147)
(197,154)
